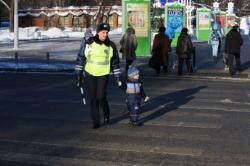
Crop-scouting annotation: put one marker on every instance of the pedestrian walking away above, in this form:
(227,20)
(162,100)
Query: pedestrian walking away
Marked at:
(87,35)
(215,40)
(160,51)
(128,46)
(98,58)
(233,44)
(134,94)
(184,50)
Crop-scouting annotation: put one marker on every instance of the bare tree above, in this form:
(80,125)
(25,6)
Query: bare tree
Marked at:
(11,15)
(10,6)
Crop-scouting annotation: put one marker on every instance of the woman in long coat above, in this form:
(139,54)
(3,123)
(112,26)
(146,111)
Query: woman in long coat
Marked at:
(128,46)
(160,51)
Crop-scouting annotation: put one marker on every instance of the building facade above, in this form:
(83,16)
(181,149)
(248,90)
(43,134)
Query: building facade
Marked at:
(71,17)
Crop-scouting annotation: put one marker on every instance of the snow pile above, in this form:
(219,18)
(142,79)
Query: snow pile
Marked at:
(30,33)
(27,33)
(6,37)
(116,31)
(53,33)
(4,29)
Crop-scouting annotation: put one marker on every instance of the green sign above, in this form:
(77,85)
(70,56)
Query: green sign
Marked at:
(175,20)
(136,15)
(203,23)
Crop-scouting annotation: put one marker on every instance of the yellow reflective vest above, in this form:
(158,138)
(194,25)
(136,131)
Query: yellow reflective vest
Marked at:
(98,57)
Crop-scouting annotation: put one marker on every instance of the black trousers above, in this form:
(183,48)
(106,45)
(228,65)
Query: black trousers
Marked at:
(231,62)
(180,64)
(133,109)
(164,67)
(97,90)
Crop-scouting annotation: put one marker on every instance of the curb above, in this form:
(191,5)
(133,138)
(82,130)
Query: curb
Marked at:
(197,77)
(67,68)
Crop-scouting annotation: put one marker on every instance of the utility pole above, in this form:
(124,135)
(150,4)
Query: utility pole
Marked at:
(16,45)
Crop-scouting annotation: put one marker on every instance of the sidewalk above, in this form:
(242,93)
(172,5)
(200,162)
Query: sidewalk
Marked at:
(32,57)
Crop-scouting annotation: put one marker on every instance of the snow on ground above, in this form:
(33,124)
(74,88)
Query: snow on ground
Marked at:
(30,33)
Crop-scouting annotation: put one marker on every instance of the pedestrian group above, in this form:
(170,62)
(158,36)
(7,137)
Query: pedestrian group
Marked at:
(98,56)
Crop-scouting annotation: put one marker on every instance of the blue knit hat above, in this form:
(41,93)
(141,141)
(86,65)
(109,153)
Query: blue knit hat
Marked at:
(132,71)
(102,26)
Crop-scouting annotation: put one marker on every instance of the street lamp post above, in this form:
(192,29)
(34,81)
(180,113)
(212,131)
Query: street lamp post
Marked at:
(16,44)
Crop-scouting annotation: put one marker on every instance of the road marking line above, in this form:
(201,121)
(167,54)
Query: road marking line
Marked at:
(179,124)
(215,109)
(136,148)
(51,160)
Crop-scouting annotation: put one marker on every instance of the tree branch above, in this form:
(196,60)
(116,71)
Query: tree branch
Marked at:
(5,4)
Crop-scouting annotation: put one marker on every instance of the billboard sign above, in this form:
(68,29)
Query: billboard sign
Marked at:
(138,16)
(204,20)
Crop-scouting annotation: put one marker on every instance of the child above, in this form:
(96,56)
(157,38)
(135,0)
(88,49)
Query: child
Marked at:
(135,93)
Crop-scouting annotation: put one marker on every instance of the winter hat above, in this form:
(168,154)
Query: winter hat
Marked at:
(132,71)
(162,29)
(184,30)
(102,26)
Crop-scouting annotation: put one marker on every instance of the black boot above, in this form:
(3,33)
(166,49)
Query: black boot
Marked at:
(96,126)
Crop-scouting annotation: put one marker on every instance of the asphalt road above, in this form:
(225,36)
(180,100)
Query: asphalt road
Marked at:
(187,122)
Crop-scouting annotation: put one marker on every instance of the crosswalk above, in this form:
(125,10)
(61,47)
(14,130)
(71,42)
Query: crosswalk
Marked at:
(186,122)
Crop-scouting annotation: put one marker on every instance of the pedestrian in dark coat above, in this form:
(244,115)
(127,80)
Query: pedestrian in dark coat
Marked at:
(232,48)
(128,46)
(184,50)
(134,94)
(160,50)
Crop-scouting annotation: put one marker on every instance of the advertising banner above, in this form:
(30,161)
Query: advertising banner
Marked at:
(204,20)
(138,18)
(136,14)
(175,20)
(203,24)
(221,19)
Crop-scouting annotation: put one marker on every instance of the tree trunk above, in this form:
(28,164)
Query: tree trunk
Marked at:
(11,16)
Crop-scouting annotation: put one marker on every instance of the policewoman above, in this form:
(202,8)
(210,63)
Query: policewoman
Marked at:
(100,58)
